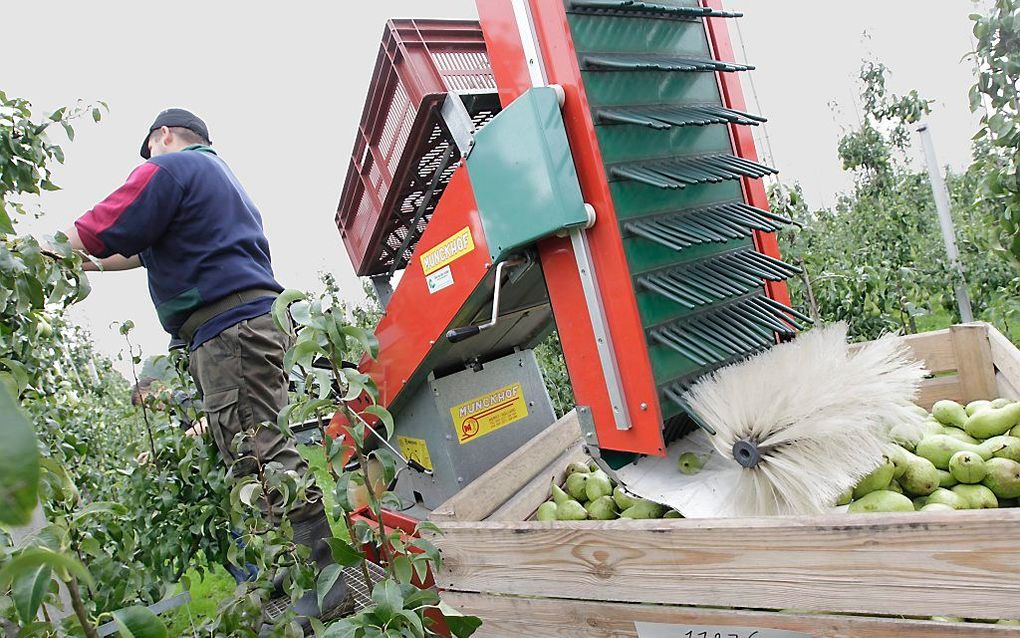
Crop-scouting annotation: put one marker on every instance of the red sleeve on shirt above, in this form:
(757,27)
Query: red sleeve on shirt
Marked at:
(107,212)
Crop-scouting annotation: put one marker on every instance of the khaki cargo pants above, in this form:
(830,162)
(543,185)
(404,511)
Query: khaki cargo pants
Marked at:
(242,381)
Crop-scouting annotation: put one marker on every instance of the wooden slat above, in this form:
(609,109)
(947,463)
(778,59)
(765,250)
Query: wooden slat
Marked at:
(963,563)
(947,387)
(490,490)
(523,504)
(934,348)
(511,617)
(974,361)
(1005,389)
(1005,356)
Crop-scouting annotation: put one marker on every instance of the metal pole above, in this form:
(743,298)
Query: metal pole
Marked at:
(938,189)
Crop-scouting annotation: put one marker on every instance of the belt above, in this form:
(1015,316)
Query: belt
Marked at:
(207,312)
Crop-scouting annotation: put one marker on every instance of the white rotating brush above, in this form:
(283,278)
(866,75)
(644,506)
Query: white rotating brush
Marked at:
(795,426)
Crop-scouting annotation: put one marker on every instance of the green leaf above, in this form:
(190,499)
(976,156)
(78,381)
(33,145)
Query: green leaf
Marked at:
(33,557)
(367,340)
(344,553)
(58,114)
(384,415)
(139,622)
(402,568)
(388,599)
(327,578)
(19,464)
(280,306)
(28,592)
(344,628)
(461,626)
(99,507)
(68,129)
(96,115)
(388,462)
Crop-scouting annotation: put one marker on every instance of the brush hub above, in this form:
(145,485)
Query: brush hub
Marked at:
(746,453)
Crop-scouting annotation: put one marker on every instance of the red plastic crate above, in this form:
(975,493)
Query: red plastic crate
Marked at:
(399,141)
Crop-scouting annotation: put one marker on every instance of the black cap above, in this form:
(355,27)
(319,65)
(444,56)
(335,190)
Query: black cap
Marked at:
(176,117)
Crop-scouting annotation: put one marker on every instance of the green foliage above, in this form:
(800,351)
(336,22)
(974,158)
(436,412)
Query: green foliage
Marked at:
(997,91)
(876,259)
(322,345)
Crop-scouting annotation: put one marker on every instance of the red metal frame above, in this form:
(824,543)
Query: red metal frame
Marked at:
(743,141)
(415,319)
(612,272)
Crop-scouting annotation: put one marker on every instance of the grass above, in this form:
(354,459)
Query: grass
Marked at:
(208,591)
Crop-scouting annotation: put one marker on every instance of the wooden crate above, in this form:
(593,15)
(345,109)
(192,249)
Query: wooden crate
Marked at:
(876,575)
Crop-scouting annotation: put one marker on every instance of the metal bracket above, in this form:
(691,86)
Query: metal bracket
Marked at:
(603,341)
(458,122)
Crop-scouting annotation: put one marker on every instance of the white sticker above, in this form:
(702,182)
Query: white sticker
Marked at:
(442,278)
(656,630)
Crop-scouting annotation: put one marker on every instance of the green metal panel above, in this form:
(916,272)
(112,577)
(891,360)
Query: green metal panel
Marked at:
(687,232)
(523,175)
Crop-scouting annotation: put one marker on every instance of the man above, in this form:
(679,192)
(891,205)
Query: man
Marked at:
(184,217)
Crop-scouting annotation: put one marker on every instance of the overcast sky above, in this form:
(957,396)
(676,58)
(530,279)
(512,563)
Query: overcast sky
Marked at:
(281,86)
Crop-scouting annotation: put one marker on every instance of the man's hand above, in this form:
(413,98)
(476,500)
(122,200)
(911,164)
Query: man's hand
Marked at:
(198,429)
(114,262)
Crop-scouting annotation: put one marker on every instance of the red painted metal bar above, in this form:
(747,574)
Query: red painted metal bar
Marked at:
(559,266)
(743,140)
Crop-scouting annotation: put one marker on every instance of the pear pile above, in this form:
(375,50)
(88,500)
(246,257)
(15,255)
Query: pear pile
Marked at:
(965,457)
(589,494)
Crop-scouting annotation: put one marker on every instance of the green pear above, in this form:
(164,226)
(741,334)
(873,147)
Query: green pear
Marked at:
(977,496)
(571,511)
(575,485)
(594,467)
(577,468)
(690,463)
(949,413)
(921,476)
(643,509)
(946,479)
(966,467)
(881,501)
(877,479)
(948,498)
(602,508)
(558,495)
(623,501)
(547,511)
(974,406)
(957,433)
(597,486)
(919,502)
(672,514)
(919,411)
(845,497)
(899,457)
(992,421)
(906,436)
(1003,478)
(939,448)
(936,507)
(1001,403)
(894,486)
(1004,447)
(1015,431)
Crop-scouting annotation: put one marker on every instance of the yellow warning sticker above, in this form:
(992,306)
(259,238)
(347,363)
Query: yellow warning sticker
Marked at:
(415,450)
(448,251)
(475,418)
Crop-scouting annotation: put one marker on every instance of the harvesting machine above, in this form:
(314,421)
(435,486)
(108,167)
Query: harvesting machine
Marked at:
(586,166)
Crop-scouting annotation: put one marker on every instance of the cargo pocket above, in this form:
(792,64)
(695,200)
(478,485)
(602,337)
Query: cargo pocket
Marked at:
(224,421)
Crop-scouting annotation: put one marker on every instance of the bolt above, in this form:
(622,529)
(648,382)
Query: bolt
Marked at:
(588,435)
(531,404)
(403,381)
(449,438)
(487,265)
(432,342)
(460,479)
(644,406)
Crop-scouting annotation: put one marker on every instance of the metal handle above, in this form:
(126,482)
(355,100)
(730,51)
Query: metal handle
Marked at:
(460,334)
